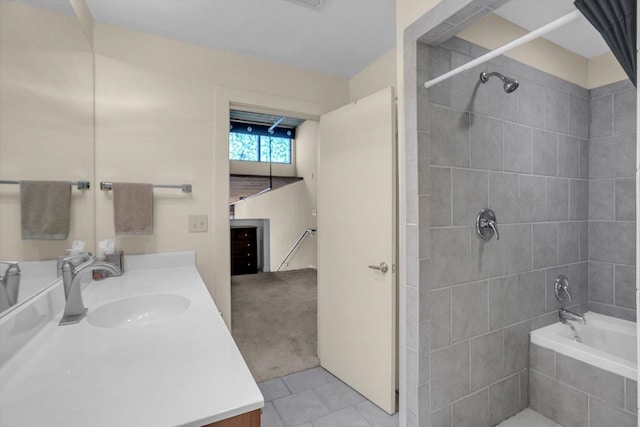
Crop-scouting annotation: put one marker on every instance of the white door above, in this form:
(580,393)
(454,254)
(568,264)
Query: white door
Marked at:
(356,230)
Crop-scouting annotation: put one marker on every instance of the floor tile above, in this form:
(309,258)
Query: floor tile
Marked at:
(270,417)
(300,407)
(376,416)
(308,379)
(273,389)
(337,395)
(347,417)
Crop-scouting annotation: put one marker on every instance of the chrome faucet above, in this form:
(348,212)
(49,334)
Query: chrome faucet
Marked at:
(74,310)
(570,315)
(9,285)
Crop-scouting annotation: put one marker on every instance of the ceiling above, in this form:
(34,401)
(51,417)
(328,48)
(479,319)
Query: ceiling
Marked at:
(341,38)
(578,36)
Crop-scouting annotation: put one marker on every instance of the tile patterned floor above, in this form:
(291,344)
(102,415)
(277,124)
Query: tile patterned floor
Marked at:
(315,398)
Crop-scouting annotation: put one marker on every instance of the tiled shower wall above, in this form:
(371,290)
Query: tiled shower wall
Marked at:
(612,200)
(524,155)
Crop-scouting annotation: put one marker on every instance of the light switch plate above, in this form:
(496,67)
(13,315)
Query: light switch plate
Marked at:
(198,223)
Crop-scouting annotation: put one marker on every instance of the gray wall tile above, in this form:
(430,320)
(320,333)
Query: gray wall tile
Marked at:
(584,240)
(531,199)
(568,242)
(557,200)
(625,286)
(466,93)
(542,360)
(504,399)
(472,411)
(438,62)
(440,318)
(545,245)
(531,104)
(503,196)
(516,298)
(545,152)
(524,389)
(516,347)
(603,415)
(470,195)
(450,374)
(611,88)
(469,310)
(601,197)
(594,381)
(612,242)
(601,121)
(631,395)
(557,401)
(486,257)
(441,418)
(624,112)
(557,111)
(579,200)
(486,360)
(450,262)
(486,143)
(578,116)
(584,159)
(516,246)
(611,310)
(612,157)
(601,282)
(517,148)
(440,206)
(568,156)
(625,195)
(579,280)
(449,137)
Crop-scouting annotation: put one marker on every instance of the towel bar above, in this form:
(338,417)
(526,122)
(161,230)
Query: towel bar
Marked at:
(186,188)
(82,185)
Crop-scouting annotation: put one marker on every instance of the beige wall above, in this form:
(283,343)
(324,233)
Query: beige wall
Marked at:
(378,75)
(162,117)
(46,120)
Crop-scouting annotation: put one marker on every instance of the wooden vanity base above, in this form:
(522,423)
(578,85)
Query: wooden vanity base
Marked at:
(250,419)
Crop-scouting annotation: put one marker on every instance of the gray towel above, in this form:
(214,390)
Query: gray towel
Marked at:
(133,208)
(45,209)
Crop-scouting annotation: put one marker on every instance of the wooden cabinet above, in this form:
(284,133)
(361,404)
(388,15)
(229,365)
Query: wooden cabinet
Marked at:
(250,419)
(244,250)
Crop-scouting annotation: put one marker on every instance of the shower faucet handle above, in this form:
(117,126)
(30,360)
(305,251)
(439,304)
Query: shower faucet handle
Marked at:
(561,286)
(487,225)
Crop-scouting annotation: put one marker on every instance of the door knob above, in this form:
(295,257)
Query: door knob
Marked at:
(383,267)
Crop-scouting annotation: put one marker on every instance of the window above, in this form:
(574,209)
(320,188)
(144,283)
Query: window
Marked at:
(249,143)
(257,148)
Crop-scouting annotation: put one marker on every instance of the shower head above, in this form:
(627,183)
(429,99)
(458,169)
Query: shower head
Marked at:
(509,84)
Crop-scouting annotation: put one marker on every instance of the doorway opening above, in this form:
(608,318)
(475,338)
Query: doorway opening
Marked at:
(272,199)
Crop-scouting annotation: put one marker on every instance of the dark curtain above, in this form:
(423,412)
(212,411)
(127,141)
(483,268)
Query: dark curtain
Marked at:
(616,22)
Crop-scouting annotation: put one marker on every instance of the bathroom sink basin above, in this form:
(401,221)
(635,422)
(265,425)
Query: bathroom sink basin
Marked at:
(138,310)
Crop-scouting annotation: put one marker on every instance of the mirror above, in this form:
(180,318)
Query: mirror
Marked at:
(46,127)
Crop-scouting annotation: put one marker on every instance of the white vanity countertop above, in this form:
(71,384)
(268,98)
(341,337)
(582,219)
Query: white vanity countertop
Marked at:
(184,371)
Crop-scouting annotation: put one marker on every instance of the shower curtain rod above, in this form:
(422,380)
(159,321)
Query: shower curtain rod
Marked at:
(570,17)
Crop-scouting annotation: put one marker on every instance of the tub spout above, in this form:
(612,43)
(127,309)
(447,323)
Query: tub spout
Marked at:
(570,315)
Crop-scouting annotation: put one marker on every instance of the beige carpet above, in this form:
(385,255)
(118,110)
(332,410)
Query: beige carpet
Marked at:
(274,321)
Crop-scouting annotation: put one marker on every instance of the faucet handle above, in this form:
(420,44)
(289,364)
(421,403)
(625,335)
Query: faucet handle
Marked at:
(13,269)
(562,286)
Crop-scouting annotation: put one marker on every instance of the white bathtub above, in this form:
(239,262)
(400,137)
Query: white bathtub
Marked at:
(607,343)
